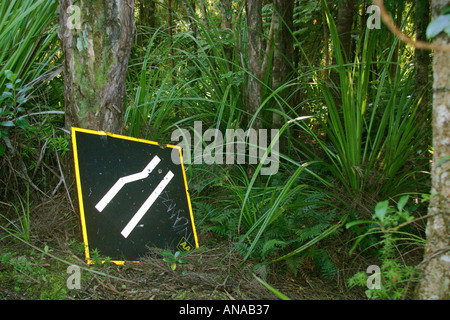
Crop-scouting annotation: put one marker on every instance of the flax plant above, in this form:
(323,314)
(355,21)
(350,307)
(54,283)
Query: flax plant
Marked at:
(374,129)
(28,30)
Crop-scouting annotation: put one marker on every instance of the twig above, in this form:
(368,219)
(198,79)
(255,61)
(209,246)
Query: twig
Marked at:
(24,175)
(411,221)
(64,180)
(57,187)
(41,156)
(416,44)
(6,204)
(43,112)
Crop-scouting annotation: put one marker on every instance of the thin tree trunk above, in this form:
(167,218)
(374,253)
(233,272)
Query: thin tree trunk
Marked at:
(205,13)
(170,31)
(399,5)
(344,26)
(326,39)
(147,10)
(190,11)
(435,278)
(95,63)
(422,57)
(283,51)
(268,52)
(254,34)
(226,12)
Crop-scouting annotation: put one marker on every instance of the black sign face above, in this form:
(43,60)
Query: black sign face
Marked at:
(132,196)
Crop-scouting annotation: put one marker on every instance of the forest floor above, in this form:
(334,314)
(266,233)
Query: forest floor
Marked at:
(37,269)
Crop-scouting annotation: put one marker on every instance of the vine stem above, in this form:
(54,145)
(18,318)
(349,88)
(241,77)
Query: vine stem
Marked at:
(403,37)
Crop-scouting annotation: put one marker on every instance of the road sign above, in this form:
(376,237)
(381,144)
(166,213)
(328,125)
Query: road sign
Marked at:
(132,196)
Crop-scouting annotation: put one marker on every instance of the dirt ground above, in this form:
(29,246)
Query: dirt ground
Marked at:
(211,272)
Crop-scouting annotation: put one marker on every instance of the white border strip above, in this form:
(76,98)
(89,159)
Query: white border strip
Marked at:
(124,180)
(147,204)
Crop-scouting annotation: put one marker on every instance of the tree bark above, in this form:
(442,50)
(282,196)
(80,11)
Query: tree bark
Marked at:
(282,19)
(422,57)
(96,60)
(226,12)
(326,39)
(170,28)
(147,12)
(190,12)
(255,52)
(344,24)
(205,13)
(435,278)
(397,12)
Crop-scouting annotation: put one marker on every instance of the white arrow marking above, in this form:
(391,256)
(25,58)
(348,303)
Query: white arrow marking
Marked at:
(123,181)
(147,204)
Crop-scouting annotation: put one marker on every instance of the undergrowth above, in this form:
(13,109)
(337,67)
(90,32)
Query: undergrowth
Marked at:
(353,150)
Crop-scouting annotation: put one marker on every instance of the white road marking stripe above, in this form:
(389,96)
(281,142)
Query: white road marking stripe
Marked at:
(147,204)
(124,180)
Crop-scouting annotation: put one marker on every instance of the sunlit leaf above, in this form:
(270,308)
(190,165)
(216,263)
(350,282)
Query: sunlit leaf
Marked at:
(442,23)
(402,202)
(381,209)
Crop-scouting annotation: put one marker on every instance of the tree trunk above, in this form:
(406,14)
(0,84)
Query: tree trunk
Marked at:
(205,13)
(254,34)
(226,14)
(422,57)
(147,12)
(344,25)
(190,12)
(96,61)
(283,12)
(170,31)
(326,40)
(397,7)
(435,279)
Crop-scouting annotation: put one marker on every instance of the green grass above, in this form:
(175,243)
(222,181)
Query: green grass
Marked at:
(20,224)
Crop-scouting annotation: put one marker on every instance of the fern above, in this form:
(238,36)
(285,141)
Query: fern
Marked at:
(311,259)
(272,245)
(311,232)
(215,219)
(327,267)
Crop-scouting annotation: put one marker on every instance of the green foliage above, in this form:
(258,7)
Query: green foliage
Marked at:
(28,61)
(396,275)
(20,225)
(174,82)
(440,24)
(26,38)
(272,289)
(304,14)
(372,123)
(11,111)
(174,258)
(98,259)
(216,218)
(27,276)
(364,139)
